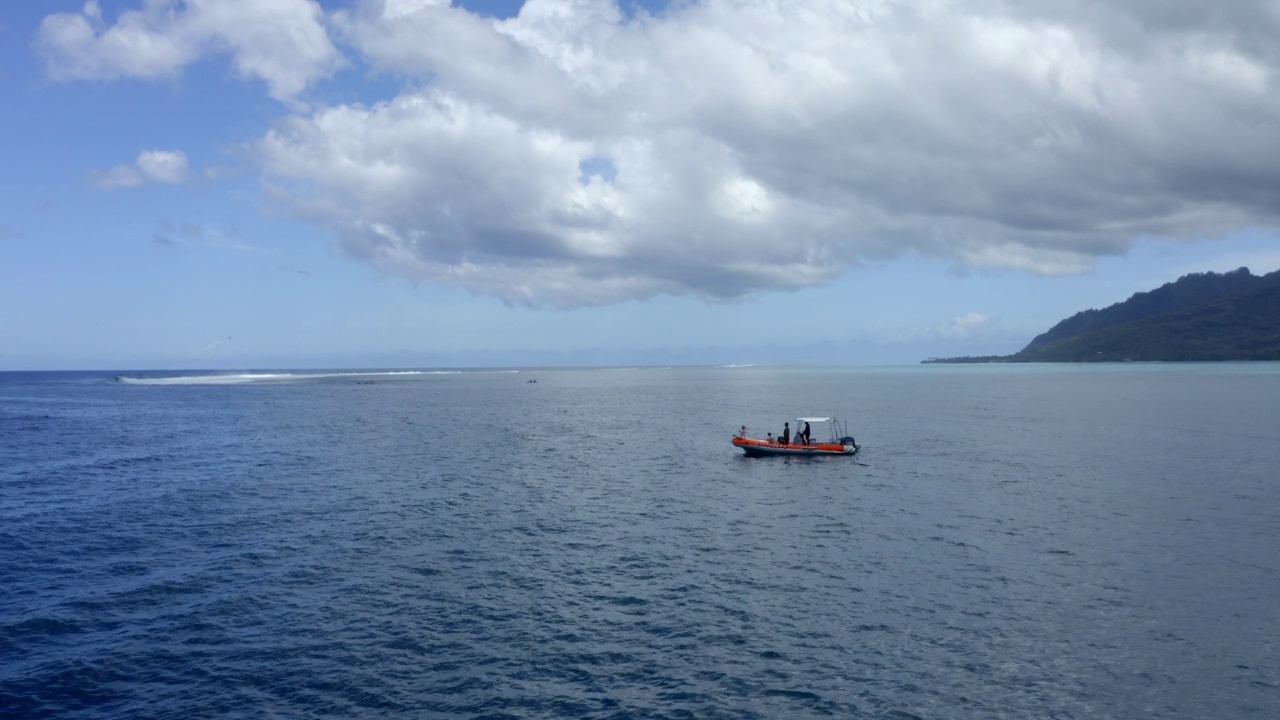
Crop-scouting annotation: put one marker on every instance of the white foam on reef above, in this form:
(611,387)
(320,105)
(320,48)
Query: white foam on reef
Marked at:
(241,378)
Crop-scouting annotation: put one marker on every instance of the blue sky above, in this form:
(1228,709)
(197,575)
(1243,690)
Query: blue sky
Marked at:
(408,183)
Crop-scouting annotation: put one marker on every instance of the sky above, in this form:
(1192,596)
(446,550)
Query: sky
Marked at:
(418,183)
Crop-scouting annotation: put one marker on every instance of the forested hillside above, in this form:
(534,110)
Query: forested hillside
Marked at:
(1202,316)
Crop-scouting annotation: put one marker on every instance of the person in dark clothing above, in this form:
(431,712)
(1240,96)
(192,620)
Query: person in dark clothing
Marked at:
(786,433)
(806,434)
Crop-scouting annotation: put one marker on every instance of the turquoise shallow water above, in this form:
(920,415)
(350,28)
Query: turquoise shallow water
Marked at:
(1012,541)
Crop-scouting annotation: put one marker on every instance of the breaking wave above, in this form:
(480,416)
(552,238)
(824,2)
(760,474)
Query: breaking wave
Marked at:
(242,378)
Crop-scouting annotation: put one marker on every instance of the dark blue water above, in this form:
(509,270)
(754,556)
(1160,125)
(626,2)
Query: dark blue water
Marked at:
(1011,542)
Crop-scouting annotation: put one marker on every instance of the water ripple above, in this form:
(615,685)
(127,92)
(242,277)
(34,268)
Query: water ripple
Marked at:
(461,546)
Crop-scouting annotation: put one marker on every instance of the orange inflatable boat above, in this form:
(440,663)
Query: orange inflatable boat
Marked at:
(838,441)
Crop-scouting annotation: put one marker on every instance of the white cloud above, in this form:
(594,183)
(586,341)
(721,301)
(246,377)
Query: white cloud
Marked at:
(152,166)
(964,326)
(1222,67)
(743,200)
(1017,256)
(282,42)
(752,145)
(969,326)
(759,146)
(163,166)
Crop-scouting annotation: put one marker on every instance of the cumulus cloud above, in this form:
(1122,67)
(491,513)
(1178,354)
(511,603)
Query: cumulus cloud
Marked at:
(282,42)
(152,166)
(576,155)
(964,326)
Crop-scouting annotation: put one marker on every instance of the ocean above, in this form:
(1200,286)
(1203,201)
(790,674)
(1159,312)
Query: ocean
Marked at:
(1011,541)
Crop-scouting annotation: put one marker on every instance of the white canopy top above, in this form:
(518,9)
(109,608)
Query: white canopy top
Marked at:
(814,420)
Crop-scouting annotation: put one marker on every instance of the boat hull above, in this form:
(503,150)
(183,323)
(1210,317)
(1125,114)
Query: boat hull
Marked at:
(754,447)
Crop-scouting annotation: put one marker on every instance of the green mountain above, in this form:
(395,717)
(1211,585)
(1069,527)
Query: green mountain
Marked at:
(1203,316)
(1186,293)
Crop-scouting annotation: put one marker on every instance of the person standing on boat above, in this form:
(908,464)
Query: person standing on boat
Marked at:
(786,433)
(742,432)
(806,433)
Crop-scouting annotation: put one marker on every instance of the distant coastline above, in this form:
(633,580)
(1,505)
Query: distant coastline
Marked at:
(968,359)
(1202,317)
